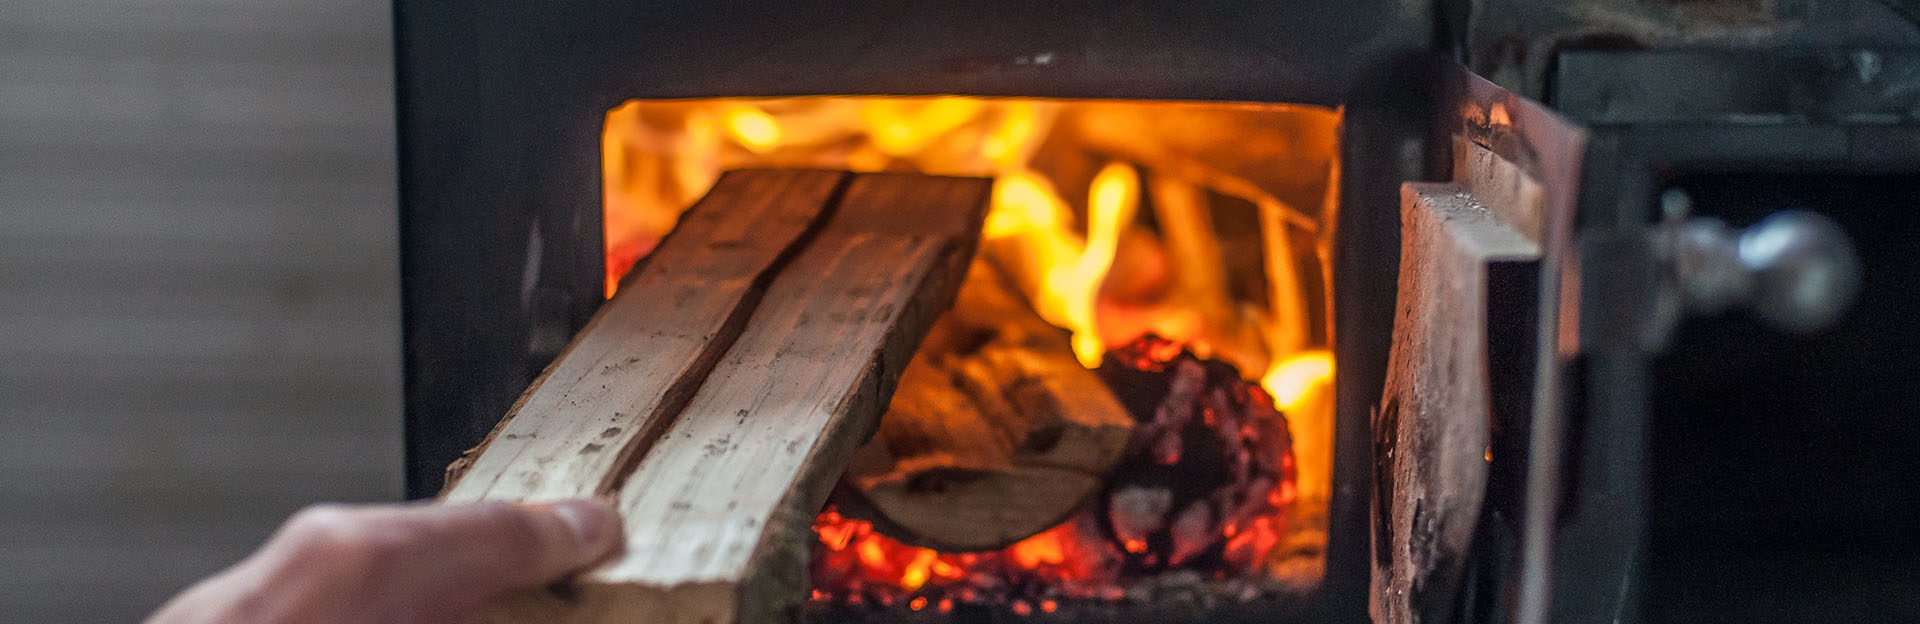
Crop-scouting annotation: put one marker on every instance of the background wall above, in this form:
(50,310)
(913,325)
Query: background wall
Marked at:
(199,318)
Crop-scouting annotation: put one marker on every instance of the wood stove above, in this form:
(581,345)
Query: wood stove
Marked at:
(516,224)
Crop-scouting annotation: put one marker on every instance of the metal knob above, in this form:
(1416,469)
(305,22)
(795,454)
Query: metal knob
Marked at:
(1794,270)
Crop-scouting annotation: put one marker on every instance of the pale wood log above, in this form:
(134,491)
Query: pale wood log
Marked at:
(1460,260)
(997,432)
(640,359)
(718,513)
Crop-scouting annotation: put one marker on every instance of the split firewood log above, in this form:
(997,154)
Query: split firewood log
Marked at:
(721,393)
(995,433)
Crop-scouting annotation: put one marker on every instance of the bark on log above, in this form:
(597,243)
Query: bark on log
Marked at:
(997,431)
(1462,263)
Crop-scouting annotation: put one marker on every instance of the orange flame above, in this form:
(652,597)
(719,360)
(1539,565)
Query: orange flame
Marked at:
(1291,379)
(1043,549)
(1062,242)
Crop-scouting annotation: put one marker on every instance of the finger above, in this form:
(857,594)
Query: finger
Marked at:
(476,552)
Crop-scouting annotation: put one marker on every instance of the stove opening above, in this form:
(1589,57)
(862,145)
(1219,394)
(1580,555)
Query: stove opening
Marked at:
(1132,399)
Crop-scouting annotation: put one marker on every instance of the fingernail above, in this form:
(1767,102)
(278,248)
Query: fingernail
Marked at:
(592,522)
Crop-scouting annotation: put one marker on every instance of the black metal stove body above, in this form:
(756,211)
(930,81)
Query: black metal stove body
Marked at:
(502,105)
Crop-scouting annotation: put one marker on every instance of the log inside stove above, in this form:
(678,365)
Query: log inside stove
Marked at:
(1007,476)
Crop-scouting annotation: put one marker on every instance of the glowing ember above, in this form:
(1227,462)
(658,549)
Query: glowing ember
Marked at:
(1232,490)
(1066,560)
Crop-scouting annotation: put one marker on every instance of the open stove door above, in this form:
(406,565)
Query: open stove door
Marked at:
(1510,432)
(1467,432)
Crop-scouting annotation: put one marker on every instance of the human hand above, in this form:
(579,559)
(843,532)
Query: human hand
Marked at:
(417,562)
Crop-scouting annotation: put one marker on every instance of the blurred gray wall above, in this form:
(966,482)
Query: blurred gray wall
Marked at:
(198,287)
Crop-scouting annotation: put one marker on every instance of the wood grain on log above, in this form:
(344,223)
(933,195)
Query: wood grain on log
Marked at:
(718,512)
(1460,258)
(997,431)
(640,359)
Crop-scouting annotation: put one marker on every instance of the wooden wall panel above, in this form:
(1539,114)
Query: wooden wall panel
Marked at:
(199,323)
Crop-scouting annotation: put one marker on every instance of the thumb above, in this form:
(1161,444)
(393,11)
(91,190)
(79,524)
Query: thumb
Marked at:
(479,551)
(438,561)
(505,546)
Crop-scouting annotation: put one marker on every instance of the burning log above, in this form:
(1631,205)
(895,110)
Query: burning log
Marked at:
(996,433)
(1208,470)
(1202,490)
(719,495)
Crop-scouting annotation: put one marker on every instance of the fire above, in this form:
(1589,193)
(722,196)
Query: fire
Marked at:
(1061,242)
(1028,214)
(919,571)
(1291,379)
(1071,282)
(752,128)
(870,565)
(1241,521)
(1043,549)
(1205,223)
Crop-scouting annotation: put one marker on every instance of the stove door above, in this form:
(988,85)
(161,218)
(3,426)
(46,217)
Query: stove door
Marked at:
(1466,432)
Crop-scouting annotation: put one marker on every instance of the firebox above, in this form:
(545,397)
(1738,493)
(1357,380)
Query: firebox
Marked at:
(1350,323)
(1141,229)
